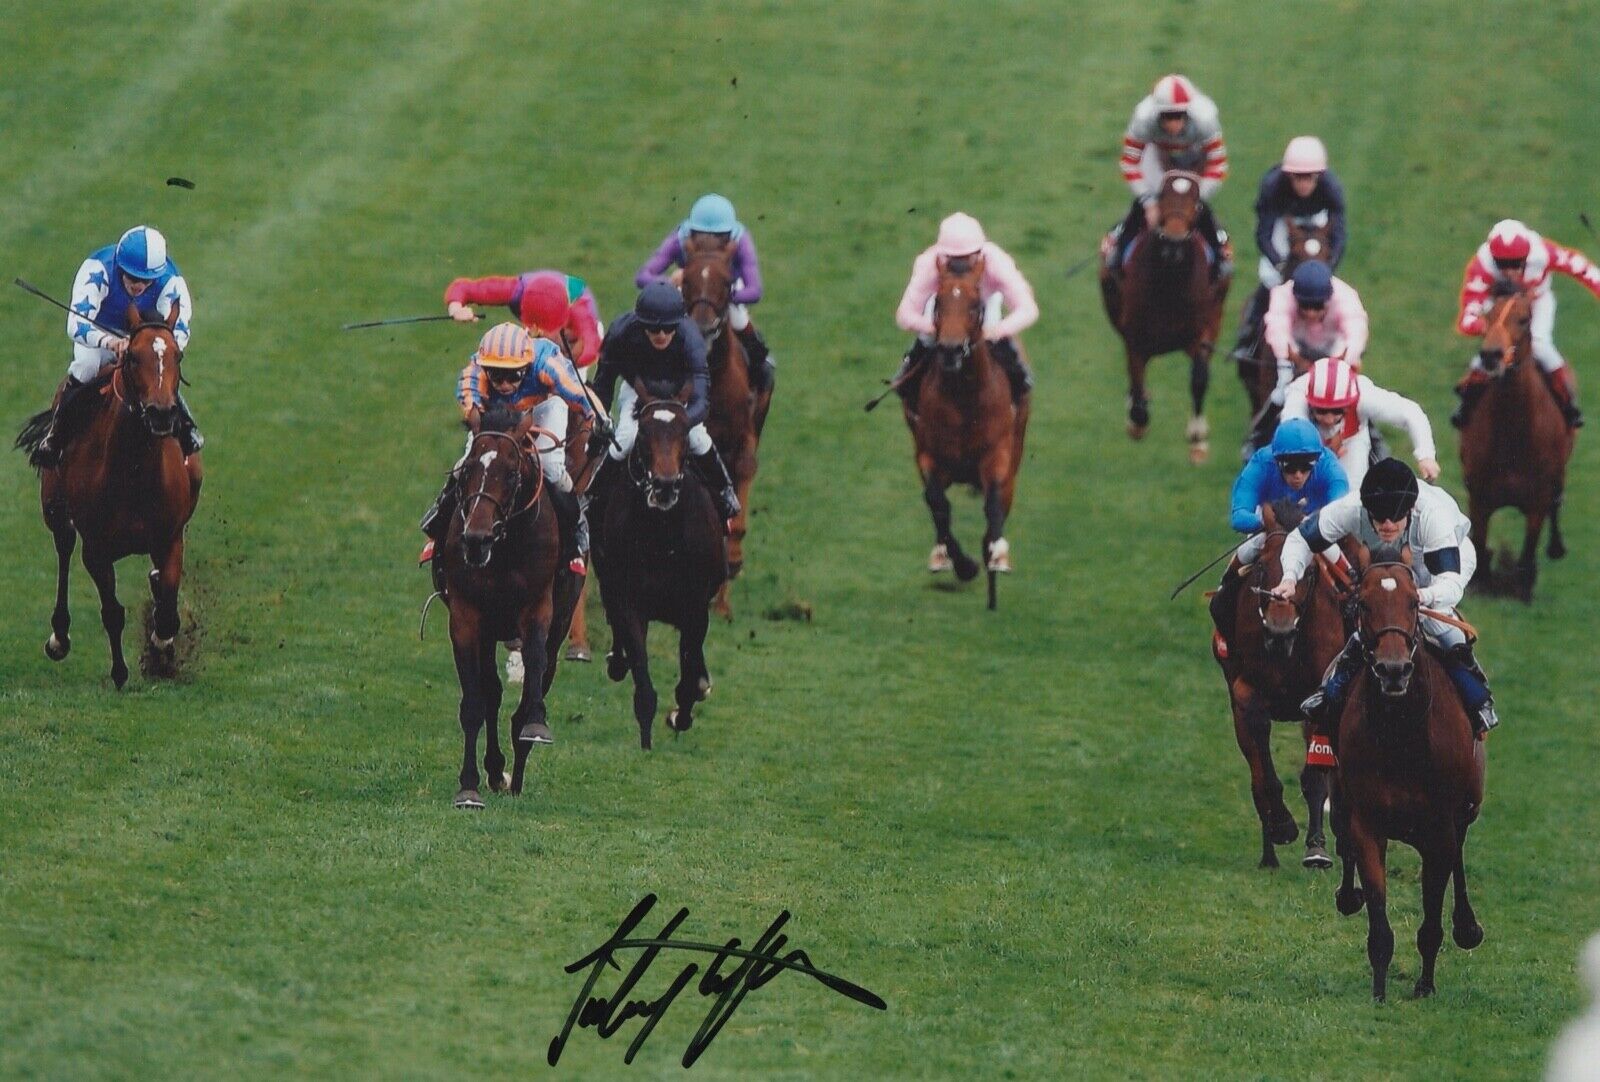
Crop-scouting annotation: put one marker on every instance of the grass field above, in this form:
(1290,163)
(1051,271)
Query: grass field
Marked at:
(1030,832)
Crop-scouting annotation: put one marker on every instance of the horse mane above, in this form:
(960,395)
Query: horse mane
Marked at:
(1288,513)
(1504,288)
(500,418)
(1387,552)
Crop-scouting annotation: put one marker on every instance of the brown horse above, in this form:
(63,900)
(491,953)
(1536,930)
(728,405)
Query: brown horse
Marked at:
(1308,242)
(500,557)
(1516,443)
(964,424)
(580,467)
(1164,300)
(125,488)
(661,556)
(1409,770)
(1278,653)
(738,412)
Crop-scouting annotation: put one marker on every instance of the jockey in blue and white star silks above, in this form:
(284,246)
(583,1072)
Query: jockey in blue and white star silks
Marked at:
(136,270)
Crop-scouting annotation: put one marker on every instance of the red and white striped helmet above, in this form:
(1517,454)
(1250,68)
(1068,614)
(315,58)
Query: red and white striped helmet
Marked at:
(1333,385)
(1509,241)
(1173,93)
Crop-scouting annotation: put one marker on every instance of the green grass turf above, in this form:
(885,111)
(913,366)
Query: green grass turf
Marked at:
(1030,832)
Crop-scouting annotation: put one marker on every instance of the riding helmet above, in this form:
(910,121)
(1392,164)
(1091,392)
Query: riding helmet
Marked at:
(142,253)
(1296,438)
(659,305)
(505,345)
(545,303)
(1389,490)
(712,213)
(1313,283)
(1509,242)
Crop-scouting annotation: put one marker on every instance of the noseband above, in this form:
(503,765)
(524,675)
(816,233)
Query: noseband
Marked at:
(712,333)
(638,472)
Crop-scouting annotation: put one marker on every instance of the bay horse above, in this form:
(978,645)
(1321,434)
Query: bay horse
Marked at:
(964,424)
(501,557)
(580,467)
(738,412)
(661,555)
(1516,444)
(1278,654)
(124,487)
(1164,300)
(1409,770)
(1308,242)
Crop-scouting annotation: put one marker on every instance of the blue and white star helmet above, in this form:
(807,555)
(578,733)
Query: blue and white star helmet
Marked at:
(142,253)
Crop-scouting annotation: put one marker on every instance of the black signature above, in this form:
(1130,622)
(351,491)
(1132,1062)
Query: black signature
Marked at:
(756,967)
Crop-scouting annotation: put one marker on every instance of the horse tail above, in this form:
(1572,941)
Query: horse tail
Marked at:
(33,434)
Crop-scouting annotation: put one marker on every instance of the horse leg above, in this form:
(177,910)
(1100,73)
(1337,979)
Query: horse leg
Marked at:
(1557,547)
(66,538)
(632,633)
(1436,868)
(112,614)
(933,493)
(1314,787)
(1370,851)
(693,679)
(464,635)
(578,634)
(1464,926)
(1253,731)
(165,577)
(1528,563)
(530,721)
(494,760)
(1479,511)
(1349,898)
(1138,402)
(1199,430)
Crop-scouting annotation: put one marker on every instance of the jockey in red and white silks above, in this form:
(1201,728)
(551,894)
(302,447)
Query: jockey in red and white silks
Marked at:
(1343,404)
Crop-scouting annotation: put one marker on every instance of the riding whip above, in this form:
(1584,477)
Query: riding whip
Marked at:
(404,319)
(894,384)
(1225,554)
(42,295)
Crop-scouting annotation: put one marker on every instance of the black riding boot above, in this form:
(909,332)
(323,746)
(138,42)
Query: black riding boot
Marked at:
(1322,707)
(1473,684)
(567,513)
(1224,603)
(1255,310)
(908,379)
(715,474)
(436,520)
(1015,368)
(1123,235)
(48,454)
(189,437)
(763,369)
(1469,393)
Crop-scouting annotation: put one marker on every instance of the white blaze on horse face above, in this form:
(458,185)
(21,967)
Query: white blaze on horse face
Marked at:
(1389,584)
(705,274)
(1313,246)
(662,415)
(160,346)
(487,457)
(1181,185)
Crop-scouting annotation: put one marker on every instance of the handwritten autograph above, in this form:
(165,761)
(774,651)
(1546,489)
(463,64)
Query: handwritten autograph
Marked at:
(758,965)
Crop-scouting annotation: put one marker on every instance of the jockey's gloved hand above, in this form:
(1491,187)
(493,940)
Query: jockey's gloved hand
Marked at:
(461,313)
(1285,589)
(600,438)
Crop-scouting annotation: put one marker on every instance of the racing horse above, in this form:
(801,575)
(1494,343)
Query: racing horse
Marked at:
(1258,371)
(500,558)
(661,555)
(738,412)
(1409,770)
(125,488)
(1275,657)
(1164,299)
(1516,444)
(964,424)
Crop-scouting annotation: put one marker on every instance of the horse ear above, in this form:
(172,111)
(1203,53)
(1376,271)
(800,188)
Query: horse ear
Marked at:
(1405,555)
(174,315)
(1355,552)
(1269,517)
(134,318)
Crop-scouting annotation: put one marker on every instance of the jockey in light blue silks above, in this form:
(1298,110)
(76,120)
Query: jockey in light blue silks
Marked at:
(134,271)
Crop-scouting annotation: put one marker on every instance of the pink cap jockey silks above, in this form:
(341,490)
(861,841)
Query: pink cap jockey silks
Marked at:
(1508,241)
(1332,385)
(960,234)
(1305,154)
(1173,93)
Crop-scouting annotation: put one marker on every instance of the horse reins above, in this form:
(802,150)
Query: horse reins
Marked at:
(467,505)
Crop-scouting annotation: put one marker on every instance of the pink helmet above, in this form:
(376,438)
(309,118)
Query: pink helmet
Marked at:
(960,234)
(1509,241)
(1173,93)
(1305,154)
(544,303)
(1333,385)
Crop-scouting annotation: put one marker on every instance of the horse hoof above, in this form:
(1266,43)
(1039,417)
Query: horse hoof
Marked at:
(579,653)
(1283,831)
(1200,453)
(679,723)
(966,568)
(1556,551)
(1136,431)
(119,676)
(616,667)
(1422,990)
(536,732)
(1316,857)
(1349,902)
(644,740)
(499,783)
(1269,860)
(57,648)
(469,798)
(1468,937)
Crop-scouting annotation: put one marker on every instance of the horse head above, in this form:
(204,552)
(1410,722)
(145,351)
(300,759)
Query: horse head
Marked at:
(1280,617)
(958,311)
(708,281)
(1508,330)
(1387,614)
(149,371)
(498,479)
(1308,240)
(1177,207)
(662,448)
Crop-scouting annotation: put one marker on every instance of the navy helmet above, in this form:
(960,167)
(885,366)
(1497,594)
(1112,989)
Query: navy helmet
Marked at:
(1313,284)
(659,305)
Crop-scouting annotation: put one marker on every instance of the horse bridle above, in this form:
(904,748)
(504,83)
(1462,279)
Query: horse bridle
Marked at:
(715,332)
(963,352)
(641,480)
(502,517)
(1509,363)
(1412,636)
(137,407)
(1259,575)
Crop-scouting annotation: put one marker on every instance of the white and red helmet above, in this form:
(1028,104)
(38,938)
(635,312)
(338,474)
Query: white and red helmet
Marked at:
(1174,93)
(1305,154)
(1509,241)
(1333,385)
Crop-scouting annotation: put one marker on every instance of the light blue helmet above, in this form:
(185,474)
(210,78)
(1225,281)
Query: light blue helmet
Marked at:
(1296,438)
(142,253)
(712,214)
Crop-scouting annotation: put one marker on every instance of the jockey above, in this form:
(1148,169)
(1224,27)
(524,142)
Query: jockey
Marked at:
(1344,405)
(1516,254)
(1297,467)
(1003,287)
(659,349)
(713,214)
(134,271)
(548,303)
(1315,315)
(513,368)
(1174,127)
(1301,186)
(1393,507)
